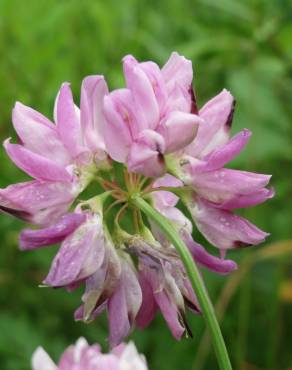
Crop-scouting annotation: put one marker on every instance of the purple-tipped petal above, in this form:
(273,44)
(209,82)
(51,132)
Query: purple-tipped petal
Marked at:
(219,157)
(224,229)
(225,184)
(214,133)
(247,200)
(41,203)
(93,90)
(38,134)
(180,99)
(32,239)
(80,255)
(179,130)
(205,259)
(35,165)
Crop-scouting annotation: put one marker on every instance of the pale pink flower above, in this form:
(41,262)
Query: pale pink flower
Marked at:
(82,356)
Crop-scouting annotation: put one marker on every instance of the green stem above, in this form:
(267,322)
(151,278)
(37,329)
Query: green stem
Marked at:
(195,278)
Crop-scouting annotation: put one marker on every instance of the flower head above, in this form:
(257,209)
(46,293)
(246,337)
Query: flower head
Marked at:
(147,140)
(82,356)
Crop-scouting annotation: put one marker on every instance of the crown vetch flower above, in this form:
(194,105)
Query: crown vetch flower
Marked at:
(148,140)
(82,356)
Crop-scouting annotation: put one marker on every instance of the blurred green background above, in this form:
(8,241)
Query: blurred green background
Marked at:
(245,46)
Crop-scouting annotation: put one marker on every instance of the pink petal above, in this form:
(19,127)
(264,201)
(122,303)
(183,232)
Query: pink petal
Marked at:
(170,314)
(158,84)
(31,239)
(38,134)
(120,121)
(124,304)
(166,198)
(148,307)
(181,99)
(177,70)
(93,90)
(214,133)
(80,255)
(202,257)
(104,362)
(143,93)
(224,185)
(219,157)
(179,130)
(41,203)
(119,324)
(146,154)
(35,165)
(247,200)
(68,124)
(224,229)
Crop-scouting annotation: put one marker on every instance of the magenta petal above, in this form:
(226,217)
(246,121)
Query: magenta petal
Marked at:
(179,130)
(201,256)
(80,255)
(41,203)
(148,307)
(214,133)
(219,157)
(31,239)
(35,165)
(38,134)
(224,229)
(68,124)
(142,89)
(93,90)
(146,154)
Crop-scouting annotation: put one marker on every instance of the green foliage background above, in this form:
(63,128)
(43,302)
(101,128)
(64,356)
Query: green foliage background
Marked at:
(244,46)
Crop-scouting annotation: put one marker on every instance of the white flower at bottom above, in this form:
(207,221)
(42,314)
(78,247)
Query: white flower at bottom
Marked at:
(82,356)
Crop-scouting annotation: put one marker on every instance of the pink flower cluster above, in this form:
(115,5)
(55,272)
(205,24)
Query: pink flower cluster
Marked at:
(168,150)
(81,356)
